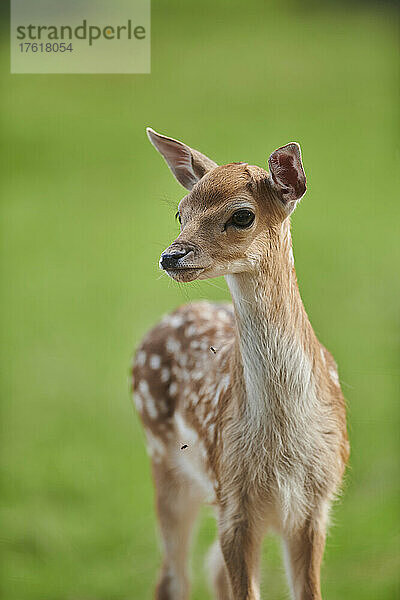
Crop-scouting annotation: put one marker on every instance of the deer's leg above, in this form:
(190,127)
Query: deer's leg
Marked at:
(303,553)
(177,508)
(217,572)
(240,539)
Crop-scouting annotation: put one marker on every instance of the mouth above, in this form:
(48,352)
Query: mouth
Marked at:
(184,274)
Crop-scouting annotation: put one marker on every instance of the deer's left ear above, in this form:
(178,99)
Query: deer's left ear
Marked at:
(287,175)
(188,165)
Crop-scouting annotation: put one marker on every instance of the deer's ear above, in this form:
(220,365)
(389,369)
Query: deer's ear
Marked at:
(287,175)
(187,165)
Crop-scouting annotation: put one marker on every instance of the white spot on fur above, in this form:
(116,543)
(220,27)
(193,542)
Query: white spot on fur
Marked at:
(195,399)
(175,321)
(148,400)
(173,346)
(138,402)
(223,316)
(173,388)
(183,359)
(165,374)
(190,331)
(185,375)
(141,358)
(155,361)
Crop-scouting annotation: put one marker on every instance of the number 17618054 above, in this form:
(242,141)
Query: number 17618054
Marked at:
(45,47)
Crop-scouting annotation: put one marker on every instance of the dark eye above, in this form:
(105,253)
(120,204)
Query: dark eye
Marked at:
(242,218)
(178,216)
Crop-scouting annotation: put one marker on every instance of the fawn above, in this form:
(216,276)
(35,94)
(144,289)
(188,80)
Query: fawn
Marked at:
(241,405)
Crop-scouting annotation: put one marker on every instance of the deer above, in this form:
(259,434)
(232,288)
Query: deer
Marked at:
(241,404)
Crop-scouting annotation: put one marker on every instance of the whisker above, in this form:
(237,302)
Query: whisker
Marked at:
(213,284)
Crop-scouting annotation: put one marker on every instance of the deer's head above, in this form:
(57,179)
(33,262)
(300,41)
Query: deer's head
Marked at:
(233,213)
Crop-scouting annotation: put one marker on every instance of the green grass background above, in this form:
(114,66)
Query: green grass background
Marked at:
(87,207)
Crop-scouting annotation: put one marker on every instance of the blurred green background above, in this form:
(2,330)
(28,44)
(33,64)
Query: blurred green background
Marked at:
(87,207)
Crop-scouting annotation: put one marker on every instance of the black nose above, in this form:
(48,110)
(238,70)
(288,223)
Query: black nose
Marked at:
(170,261)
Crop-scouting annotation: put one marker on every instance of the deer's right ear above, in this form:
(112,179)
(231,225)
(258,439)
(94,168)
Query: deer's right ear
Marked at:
(287,174)
(187,165)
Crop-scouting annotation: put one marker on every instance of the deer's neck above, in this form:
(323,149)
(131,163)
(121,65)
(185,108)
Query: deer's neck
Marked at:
(275,342)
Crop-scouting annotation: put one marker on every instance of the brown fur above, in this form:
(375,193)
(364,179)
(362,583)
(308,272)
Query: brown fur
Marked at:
(242,407)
